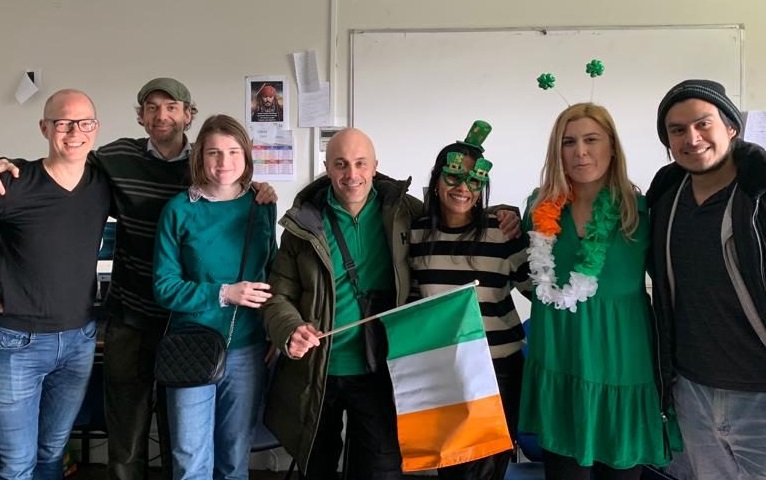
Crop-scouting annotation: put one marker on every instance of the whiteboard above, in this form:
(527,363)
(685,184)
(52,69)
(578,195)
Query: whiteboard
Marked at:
(417,91)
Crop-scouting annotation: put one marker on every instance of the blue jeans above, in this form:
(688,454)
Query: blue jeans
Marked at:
(211,426)
(43,379)
(724,431)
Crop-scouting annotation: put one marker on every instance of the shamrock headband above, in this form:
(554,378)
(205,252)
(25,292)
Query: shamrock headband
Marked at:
(594,68)
(453,173)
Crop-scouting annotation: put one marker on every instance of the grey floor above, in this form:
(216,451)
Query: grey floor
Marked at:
(98,472)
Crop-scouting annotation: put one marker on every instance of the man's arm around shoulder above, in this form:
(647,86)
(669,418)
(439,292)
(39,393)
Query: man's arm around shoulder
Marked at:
(12,166)
(414,206)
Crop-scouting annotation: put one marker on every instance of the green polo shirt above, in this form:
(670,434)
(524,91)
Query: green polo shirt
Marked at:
(366,240)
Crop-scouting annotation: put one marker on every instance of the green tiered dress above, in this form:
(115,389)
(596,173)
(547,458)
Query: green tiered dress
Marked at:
(589,389)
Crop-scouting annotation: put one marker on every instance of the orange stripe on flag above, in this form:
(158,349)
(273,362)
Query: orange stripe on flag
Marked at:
(443,436)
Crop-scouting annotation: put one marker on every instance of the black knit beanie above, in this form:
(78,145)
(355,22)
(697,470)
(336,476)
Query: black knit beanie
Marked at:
(707,90)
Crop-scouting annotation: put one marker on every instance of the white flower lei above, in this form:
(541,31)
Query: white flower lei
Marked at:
(542,268)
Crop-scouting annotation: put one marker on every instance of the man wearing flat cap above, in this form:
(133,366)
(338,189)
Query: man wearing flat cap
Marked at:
(143,174)
(709,280)
(265,105)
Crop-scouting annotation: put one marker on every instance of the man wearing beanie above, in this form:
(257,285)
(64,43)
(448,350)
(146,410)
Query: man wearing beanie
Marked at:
(143,173)
(709,285)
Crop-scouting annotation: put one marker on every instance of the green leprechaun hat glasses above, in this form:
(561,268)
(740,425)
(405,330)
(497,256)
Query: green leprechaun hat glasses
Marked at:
(454,173)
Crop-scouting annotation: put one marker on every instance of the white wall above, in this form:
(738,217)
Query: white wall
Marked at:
(109,48)
(400,14)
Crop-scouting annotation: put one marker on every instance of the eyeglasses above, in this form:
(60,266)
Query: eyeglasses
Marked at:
(454,180)
(64,125)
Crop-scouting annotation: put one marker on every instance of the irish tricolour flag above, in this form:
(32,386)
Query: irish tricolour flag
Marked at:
(447,401)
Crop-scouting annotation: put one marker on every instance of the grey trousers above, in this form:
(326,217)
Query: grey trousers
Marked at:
(130,399)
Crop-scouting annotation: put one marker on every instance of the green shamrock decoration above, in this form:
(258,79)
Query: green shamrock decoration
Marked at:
(546,81)
(594,68)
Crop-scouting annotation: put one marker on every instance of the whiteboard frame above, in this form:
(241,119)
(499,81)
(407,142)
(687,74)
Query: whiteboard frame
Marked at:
(412,59)
(353,33)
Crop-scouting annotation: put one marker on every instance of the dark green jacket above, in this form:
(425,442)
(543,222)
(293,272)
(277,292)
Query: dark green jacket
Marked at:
(302,281)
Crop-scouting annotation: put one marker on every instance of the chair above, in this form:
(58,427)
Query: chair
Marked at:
(263,439)
(104,268)
(531,470)
(108,238)
(90,422)
(527,443)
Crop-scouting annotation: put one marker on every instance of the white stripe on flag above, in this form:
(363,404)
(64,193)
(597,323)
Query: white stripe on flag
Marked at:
(445,376)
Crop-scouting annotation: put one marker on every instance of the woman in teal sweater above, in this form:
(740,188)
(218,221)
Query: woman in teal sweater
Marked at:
(198,252)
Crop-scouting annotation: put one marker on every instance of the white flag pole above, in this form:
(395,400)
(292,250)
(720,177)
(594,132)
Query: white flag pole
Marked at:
(475,283)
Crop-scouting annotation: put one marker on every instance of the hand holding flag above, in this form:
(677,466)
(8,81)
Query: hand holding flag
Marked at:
(303,339)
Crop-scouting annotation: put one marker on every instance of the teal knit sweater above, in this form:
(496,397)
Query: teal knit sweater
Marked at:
(198,248)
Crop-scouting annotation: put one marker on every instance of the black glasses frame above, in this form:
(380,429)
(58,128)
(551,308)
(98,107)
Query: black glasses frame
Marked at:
(89,123)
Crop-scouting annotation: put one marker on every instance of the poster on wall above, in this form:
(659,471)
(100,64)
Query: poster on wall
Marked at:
(267,100)
(273,154)
(266,110)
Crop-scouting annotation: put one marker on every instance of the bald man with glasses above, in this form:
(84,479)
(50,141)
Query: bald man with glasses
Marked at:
(51,219)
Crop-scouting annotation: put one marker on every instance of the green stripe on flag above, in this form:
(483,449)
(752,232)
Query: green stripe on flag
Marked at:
(435,323)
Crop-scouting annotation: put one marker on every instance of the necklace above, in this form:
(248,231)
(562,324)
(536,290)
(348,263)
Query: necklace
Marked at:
(583,279)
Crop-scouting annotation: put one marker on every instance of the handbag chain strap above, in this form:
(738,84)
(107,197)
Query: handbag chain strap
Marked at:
(242,264)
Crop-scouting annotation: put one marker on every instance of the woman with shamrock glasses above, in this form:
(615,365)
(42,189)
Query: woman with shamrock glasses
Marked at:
(459,241)
(589,390)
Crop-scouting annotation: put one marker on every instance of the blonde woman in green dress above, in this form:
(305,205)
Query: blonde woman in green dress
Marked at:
(589,390)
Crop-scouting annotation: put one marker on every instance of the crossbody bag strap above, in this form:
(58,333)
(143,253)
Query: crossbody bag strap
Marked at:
(348,262)
(240,275)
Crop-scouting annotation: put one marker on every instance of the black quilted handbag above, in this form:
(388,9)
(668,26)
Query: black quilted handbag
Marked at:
(191,356)
(194,354)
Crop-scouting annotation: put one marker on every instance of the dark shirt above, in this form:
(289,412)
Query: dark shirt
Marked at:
(715,344)
(141,186)
(49,242)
